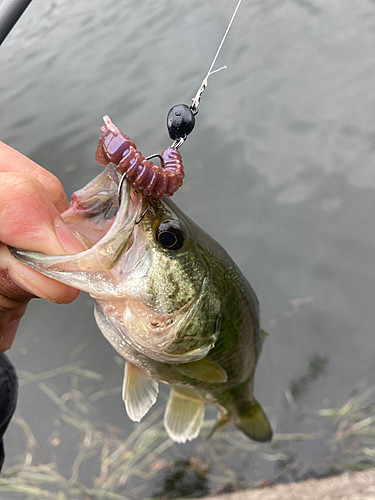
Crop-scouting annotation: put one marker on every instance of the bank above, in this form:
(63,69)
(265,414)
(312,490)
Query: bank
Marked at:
(348,486)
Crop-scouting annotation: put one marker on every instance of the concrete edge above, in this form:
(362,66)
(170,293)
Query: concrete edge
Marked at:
(347,486)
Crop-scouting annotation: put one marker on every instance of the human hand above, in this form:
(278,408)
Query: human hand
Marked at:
(31,200)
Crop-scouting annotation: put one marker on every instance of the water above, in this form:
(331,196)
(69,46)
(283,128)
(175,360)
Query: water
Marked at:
(279,169)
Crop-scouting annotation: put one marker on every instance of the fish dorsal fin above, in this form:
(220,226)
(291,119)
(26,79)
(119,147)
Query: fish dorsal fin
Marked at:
(139,392)
(253,422)
(184,414)
(205,370)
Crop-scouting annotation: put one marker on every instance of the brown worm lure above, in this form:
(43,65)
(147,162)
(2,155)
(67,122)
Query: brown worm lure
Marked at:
(116,147)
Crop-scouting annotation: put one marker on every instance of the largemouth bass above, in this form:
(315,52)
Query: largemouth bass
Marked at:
(171,302)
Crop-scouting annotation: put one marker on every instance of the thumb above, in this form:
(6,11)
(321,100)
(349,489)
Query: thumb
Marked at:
(29,220)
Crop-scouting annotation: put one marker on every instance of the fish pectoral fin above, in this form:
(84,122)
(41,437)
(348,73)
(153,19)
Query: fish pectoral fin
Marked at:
(139,392)
(205,370)
(253,422)
(184,414)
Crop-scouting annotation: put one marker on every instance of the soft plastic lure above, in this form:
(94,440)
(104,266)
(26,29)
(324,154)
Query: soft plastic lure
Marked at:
(116,147)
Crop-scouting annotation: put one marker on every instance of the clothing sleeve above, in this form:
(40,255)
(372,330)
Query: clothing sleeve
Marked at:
(8,397)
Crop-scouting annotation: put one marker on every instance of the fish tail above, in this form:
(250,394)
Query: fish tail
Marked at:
(248,417)
(252,420)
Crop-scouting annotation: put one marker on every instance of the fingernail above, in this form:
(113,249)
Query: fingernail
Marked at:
(66,237)
(8,335)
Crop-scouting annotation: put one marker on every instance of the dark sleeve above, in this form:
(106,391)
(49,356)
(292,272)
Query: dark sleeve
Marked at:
(8,397)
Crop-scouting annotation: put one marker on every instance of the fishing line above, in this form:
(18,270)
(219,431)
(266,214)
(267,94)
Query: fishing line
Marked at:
(181,118)
(196,100)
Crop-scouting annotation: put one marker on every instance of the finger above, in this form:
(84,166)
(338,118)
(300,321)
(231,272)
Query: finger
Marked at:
(29,220)
(13,161)
(23,280)
(34,283)
(8,328)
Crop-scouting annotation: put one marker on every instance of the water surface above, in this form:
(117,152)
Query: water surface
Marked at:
(279,169)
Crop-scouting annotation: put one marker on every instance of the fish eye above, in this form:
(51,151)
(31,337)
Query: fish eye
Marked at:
(170,235)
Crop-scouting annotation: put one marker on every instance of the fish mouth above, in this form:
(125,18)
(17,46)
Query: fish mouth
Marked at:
(92,270)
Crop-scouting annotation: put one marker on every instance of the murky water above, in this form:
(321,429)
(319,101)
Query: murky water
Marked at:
(279,169)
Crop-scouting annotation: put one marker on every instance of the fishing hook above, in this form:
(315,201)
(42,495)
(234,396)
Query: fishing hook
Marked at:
(123,177)
(142,215)
(119,189)
(156,155)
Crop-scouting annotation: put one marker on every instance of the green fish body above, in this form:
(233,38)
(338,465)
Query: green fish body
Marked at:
(170,300)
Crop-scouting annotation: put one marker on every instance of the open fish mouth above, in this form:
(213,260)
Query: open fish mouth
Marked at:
(92,270)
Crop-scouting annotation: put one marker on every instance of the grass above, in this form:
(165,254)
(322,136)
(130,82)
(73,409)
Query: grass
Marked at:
(108,463)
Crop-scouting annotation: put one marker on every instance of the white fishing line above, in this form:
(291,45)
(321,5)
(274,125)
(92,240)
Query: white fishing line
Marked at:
(195,102)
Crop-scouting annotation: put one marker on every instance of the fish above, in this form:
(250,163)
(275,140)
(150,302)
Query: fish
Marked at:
(171,302)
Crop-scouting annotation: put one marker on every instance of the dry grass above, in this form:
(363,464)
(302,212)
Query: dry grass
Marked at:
(108,463)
